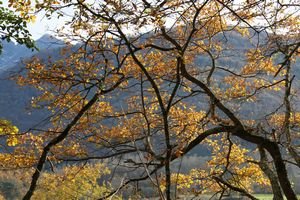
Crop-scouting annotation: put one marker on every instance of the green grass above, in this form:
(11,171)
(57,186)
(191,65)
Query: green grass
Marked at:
(208,196)
(264,196)
(268,196)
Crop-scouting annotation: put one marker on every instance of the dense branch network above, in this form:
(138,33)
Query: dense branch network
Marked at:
(152,81)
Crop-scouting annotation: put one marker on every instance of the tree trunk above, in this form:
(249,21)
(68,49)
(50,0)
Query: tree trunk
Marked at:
(263,164)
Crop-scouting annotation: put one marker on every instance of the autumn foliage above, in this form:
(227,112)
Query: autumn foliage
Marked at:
(136,94)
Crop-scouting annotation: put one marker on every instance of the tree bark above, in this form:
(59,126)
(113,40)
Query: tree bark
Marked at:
(263,164)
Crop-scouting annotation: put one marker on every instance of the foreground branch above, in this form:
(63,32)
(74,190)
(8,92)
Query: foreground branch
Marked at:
(237,189)
(60,138)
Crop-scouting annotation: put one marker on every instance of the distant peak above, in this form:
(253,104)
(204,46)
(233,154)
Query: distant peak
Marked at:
(48,41)
(47,37)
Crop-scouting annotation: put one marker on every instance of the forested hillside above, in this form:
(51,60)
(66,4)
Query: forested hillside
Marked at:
(15,103)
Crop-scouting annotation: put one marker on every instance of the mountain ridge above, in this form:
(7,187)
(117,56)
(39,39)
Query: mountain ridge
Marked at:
(14,53)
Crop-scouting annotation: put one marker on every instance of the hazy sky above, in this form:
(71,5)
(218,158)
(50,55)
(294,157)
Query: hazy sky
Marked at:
(43,25)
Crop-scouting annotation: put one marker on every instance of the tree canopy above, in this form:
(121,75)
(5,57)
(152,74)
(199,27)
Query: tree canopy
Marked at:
(14,27)
(152,80)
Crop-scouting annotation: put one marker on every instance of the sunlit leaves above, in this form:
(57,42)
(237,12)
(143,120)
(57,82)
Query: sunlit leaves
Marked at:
(186,123)
(17,160)
(158,71)
(74,182)
(238,170)
(7,128)
(231,163)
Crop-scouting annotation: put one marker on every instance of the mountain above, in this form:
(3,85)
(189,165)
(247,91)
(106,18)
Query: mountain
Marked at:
(14,53)
(48,41)
(15,100)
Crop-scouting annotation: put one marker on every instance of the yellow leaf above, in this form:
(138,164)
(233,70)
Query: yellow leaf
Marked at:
(12,141)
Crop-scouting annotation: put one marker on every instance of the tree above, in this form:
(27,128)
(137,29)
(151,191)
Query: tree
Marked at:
(137,91)
(67,182)
(14,27)
(73,182)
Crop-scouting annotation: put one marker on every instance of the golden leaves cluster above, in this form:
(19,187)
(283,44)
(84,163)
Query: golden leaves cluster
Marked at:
(257,74)
(73,182)
(8,129)
(231,163)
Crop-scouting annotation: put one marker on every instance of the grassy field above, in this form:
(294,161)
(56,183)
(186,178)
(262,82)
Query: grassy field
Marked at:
(207,197)
(268,196)
(264,196)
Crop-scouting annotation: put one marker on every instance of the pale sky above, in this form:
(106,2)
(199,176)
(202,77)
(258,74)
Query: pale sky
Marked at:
(42,26)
